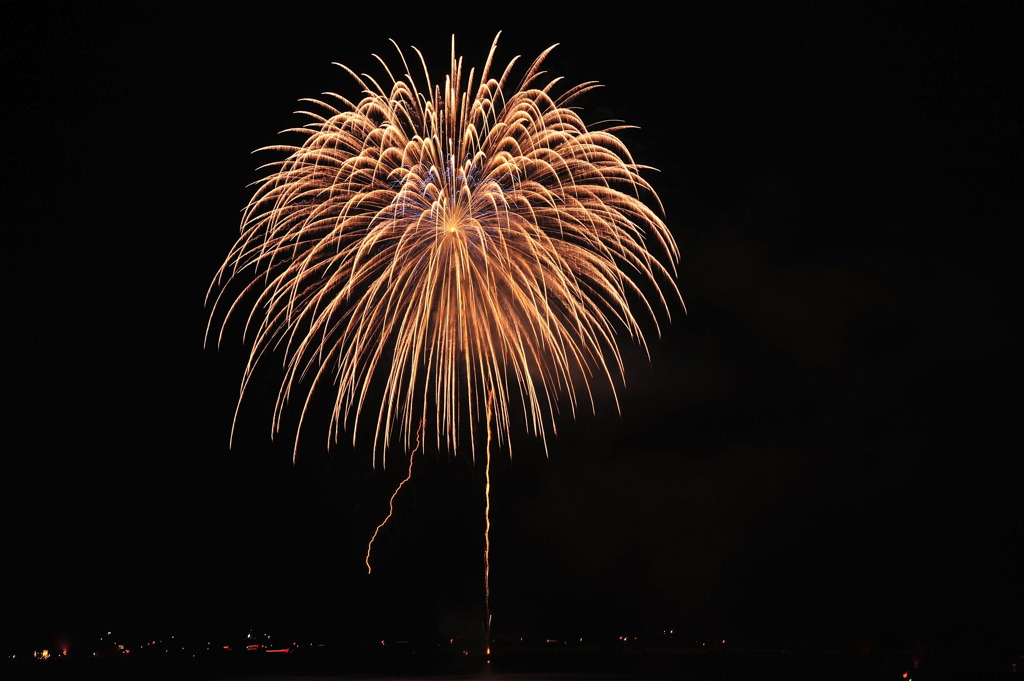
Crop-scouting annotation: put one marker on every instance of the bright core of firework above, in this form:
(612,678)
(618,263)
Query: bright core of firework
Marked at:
(433,243)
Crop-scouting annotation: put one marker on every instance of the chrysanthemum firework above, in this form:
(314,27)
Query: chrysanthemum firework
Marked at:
(430,250)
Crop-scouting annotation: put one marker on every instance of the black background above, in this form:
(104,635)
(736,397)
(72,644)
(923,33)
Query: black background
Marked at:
(822,449)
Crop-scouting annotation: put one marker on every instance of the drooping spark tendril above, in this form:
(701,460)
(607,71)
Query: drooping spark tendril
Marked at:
(391,502)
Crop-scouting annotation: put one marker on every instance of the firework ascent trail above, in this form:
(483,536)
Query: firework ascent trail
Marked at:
(487,533)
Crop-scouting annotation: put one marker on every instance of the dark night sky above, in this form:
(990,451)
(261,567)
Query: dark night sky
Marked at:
(821,448)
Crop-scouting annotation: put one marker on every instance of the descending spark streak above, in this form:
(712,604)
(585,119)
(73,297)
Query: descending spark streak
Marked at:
(391,503)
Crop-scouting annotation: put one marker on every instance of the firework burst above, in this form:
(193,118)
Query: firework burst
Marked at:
(431,248)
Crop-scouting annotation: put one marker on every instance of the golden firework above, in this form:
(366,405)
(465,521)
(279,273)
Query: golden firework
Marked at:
(431,247)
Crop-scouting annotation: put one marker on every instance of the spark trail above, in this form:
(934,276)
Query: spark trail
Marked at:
(391,503)
(487,530)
